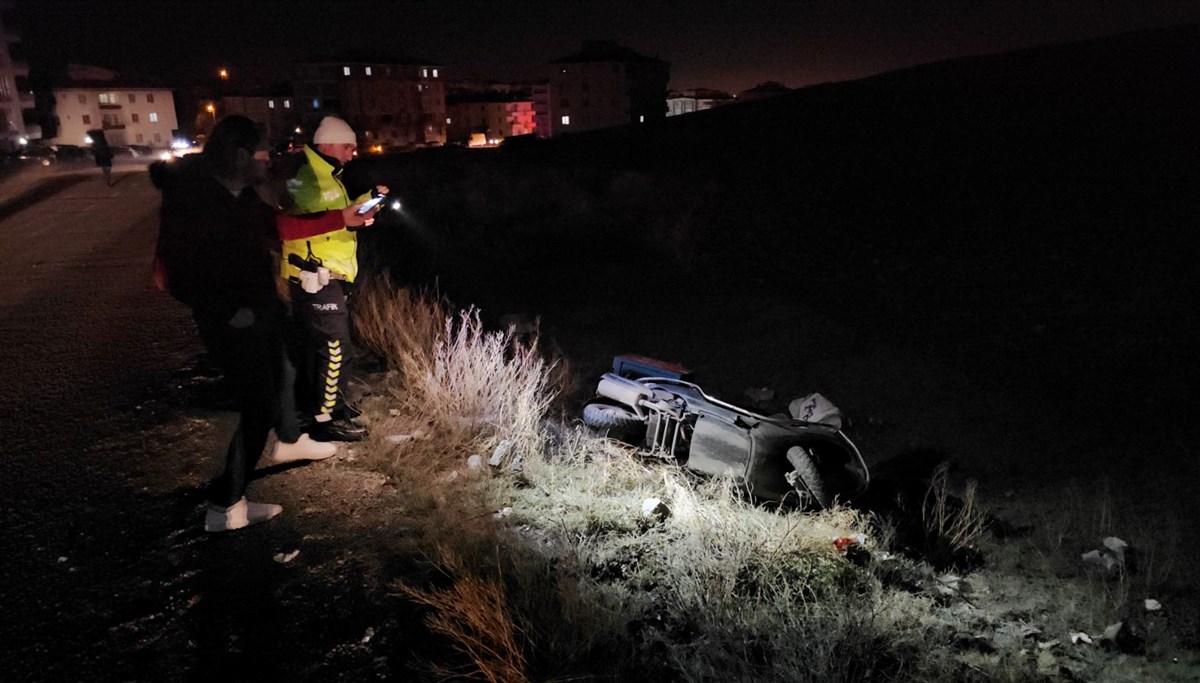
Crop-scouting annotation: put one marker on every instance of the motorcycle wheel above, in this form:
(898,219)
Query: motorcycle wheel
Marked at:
(615,421)
(807,479)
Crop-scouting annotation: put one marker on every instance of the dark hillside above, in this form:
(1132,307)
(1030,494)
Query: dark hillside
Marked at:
(1022,219)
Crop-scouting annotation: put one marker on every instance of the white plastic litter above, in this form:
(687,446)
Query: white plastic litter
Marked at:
(1078,637)
(1153,605)
(816,408)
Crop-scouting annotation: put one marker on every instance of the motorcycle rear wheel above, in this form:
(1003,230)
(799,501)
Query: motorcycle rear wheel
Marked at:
(617,422)
(807,479)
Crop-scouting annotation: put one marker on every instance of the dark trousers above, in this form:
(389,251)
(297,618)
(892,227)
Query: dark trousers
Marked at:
(324,345)
(258,371)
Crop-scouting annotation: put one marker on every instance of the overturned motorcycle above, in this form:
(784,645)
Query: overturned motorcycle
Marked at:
(778,458)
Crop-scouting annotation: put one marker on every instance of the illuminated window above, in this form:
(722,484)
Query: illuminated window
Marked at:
(642,118)
(270,104)
(107,98)
(435,73)
(447,120)
(368,71)
(424,73)
(316,103)
(566,120)
(287,104)
(345,71)
(420,87)
(153,117)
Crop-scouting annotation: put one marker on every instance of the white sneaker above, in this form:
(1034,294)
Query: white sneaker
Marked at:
(241,514)
(305,448)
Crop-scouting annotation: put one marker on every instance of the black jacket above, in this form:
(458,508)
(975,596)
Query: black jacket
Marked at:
(215,248)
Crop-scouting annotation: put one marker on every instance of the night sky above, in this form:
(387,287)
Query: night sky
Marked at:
(724,44)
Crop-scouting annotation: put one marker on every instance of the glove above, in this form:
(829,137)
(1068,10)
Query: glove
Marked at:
(310,282)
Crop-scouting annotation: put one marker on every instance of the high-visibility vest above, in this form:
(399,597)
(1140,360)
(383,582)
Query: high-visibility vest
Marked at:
(316,188)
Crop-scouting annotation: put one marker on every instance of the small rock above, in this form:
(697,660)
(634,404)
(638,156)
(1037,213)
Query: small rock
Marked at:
(367,635)
(62,558)
(1153,605)
(475,462)
(502,512)
(284,558)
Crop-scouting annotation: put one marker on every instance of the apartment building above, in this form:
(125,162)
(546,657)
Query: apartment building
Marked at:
(605,84)
(488,116)
(16,98)
(697,99)
(273,109)
(391,101)
(129,113)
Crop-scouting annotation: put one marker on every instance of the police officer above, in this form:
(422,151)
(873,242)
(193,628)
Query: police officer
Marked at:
(320,262)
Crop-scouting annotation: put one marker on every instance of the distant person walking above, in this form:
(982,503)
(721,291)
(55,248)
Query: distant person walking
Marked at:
(103,154)
(320,262)
(215,255)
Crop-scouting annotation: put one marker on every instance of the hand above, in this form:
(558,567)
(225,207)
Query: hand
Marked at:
(381,189)
(352,219)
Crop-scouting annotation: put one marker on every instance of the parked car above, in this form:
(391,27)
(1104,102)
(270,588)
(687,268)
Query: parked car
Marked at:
(71,153)
(36,153)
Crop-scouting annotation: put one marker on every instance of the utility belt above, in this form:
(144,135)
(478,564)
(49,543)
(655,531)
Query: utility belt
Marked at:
(313,276)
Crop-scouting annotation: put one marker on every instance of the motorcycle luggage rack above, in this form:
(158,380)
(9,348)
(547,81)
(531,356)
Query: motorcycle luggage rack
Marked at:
(664,435)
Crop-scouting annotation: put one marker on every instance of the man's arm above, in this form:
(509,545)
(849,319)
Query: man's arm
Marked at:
(313,224)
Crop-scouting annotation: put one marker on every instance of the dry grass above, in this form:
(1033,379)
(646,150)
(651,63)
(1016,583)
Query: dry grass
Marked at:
(953,526)
(473,613)
(556,573)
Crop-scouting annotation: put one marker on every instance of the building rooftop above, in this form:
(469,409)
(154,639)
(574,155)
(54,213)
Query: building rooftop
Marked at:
(605,51)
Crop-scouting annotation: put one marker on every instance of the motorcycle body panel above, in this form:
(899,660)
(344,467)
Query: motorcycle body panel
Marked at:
(716,438)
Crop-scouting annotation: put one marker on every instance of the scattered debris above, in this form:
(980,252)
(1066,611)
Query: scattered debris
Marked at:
(816,408)
(284,558)
(1124,636)
(502,512)
(500,452)
(760,395)
(656,510)
(844,542)
(1153,605)
(1110,560)
(400,438)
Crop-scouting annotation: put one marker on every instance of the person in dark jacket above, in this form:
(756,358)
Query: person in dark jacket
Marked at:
(214,255)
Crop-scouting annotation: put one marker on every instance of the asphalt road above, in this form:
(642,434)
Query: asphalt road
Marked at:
(84,336)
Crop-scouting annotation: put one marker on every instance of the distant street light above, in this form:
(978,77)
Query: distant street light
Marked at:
(212,111)
(224,74)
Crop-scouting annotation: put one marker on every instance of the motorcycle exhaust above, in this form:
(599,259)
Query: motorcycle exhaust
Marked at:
(624,391)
